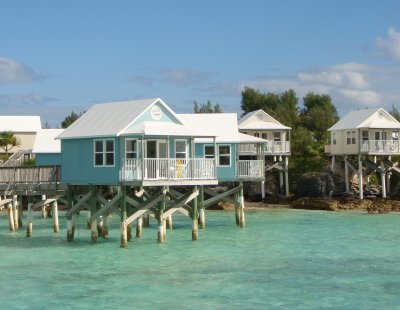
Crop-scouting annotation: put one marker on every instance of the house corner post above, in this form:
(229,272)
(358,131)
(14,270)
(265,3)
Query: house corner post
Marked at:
(124,228)
(30,217)
(195,217)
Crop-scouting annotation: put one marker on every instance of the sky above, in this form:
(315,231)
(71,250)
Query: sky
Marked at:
(63,56)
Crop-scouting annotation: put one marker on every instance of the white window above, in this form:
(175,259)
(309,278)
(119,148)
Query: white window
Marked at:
(180,148)
(395,135)
(277,136)
(334,138)
(365,135)
(351,137)
(209,151)
(264,135)
(104,152)
(131,149)
(224,155)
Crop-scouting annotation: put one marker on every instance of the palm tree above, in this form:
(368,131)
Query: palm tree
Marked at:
(8,141)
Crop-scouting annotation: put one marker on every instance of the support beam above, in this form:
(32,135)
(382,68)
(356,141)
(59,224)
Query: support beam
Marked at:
(104,231)
(11,222)
(124,225)
(80,205)
(287,176)
(150,203)
(55,216)
(202,213)
(108,206)
(195,216)
(15,211)
(20,210)
(241,208)
(360,178)
(29,225)
(383,180)
(346,174)
(139,227)
(218,197)
(93,210)
(333,164)
(70,204)
(44,211)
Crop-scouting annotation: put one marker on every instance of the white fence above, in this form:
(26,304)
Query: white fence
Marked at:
(271,147)
(380,146)
(168,168)
(250,168)
(29,175)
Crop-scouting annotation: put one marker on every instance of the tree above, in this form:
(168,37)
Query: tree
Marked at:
(318,115)
(68,120)
(207,107)
(8,141)
(395,113)
(46,125)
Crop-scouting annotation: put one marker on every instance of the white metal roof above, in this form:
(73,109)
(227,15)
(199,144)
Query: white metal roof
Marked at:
(150,128)
(110,119)
(20,123)
(260,120)
(370,118)
(45,141)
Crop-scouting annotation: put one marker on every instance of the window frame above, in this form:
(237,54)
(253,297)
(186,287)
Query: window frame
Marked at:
(186,149)
(136,152)
(350,137)
(208,156)
(334,138)
(103,152)
(224,155)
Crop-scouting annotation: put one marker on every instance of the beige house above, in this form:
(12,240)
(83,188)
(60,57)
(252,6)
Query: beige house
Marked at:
(276,150)
(23,127)
(370,137)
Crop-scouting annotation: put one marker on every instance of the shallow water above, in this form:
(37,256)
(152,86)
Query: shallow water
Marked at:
(284,259)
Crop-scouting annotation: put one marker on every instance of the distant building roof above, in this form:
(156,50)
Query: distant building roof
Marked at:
(20,123)
(370,118)
(110,119)
(45,141)
(259,120)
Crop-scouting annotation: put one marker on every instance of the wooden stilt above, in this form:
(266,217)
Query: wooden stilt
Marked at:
(333,164)
(15,211)
(104,231)
(346,174)
(236,195)
(146,220)
(100,226)
(280,182)
(70,221)
(20,213)
(29,225)
(287,176)
(262,184)
(11,217)
(124,228)
(88,221)
(383,179)
(160,231)
(360,178)
(195,216)
(202,213)
(129,232)
(55,216)
(169,222)
(241,208)
(139,226)
(44,211)
(93,209)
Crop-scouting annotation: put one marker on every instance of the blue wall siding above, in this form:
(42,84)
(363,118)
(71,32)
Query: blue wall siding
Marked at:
(48,159)
(223,173)
(78,163)
(166,116)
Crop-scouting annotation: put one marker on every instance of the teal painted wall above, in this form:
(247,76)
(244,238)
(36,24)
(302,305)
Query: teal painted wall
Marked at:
(223,173)
(77,162)
(166,117)
(48,159)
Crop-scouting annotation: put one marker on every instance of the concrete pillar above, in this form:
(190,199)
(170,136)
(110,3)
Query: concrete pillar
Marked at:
(29,225)
(55,216)
(11,217)
(383,180)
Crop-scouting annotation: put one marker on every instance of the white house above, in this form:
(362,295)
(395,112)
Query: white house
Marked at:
(366,133)
(277,148)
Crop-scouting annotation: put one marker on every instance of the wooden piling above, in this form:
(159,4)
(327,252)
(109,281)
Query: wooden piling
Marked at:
(124,228)
(15,211)
(93,209)
(169,222)
(241,208)
(195,217)
(70,222)
(11,217)
(104,231)
(139,225)
(55,216)
(202,213)
(236,195)
(29,225)
(20,209)
(44,211)
(146,220)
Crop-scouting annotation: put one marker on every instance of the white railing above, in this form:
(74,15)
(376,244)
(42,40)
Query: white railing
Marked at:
(16,159)
(168,169)
(380,146)
(271,147)
(250,168)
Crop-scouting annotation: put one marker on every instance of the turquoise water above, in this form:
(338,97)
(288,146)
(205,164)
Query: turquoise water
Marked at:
(285,259)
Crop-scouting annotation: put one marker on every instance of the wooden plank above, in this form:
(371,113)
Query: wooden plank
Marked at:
(110,204)
(180,202)
(133,202)
(149,204)
(219,197)
(45,202)
(5,201)
(227,199)
(78,206)
(184,212)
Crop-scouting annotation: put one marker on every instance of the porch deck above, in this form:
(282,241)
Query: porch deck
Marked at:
(270,148)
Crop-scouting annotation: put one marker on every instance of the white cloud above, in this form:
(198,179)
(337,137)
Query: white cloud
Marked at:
(391,45)
(14,72)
